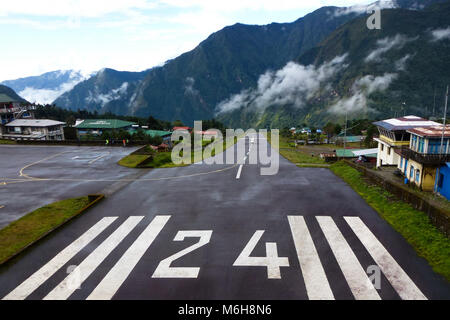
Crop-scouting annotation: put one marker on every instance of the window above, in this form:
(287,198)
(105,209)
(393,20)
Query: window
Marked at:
(414,142)
(421,144)
(382,147)
(417,175)
(389,151)
(434,146)
(411,173)
(401,162)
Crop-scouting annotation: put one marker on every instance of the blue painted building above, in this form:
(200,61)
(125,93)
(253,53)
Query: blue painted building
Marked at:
(442,185)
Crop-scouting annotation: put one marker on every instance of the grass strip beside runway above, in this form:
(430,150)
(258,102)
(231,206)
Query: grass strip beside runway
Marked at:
(30,228)
(164,159)
(3,141)
(413,225)
(295,155)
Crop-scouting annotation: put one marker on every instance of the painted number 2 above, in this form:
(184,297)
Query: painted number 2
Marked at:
(271,261)
(164,270)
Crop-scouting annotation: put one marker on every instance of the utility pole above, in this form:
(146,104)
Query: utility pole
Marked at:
(445,119)
(434,103)
(345,132)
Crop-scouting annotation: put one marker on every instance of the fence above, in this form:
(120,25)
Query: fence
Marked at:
(112,143)
(439,218)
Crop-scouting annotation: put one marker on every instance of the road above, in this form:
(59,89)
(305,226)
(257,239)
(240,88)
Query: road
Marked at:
(221,232)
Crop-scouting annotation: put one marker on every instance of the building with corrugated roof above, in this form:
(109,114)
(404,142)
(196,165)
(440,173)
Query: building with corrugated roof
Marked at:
(34,129)
(98,126)
(426,153)
(394,135)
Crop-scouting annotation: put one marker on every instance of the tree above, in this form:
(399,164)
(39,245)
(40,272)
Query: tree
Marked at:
(178,123)
(70,120)
(337,129)
(368,141)
(154,124)
(329,129)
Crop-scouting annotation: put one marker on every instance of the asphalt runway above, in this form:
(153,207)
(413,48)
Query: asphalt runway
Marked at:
(20,195)
(218,232)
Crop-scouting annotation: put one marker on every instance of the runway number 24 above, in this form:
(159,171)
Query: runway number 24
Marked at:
(271,260)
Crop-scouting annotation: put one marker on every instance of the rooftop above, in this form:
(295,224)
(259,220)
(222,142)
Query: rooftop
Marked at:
(405,123)
(353,153)
(104,124)
(434,131)
(34,123)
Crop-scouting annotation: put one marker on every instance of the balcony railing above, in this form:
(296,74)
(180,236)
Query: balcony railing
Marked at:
(429,159)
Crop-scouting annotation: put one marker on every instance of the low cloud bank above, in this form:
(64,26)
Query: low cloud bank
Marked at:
(292,85)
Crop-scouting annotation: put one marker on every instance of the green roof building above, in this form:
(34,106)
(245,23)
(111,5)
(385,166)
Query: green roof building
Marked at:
(105,124)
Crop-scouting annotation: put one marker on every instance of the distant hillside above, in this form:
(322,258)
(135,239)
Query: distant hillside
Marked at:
(107,91)
(11,93)
(389,72)
(46,87)
(192,85)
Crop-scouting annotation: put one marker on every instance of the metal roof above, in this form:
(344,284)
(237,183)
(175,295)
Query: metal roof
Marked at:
(404,123)
(434,131)
(351,153)
(104,124)
(34,123)
(365,152)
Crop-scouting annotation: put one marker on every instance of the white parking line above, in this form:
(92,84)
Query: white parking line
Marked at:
(357,279)
(122,269)
(401,282)
(96,159)
(84,270)
(316,282)
(39,277)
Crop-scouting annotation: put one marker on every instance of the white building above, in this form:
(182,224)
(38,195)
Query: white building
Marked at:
(394,135)
(34,129)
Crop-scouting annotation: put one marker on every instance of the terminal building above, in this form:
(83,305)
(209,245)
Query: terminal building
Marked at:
(34,129)
(394,135)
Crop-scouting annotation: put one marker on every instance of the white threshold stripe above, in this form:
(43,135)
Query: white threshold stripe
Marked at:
(84,270)
(239,172)
(398,278)
(44,273)
(317,286)
(357,279)
(108,287)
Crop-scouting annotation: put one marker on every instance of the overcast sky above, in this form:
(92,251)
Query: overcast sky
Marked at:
(133,35)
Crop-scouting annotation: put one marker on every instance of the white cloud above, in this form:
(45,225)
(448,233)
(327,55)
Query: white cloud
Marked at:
(361,89)
(400,64)
(386,44)
(104,98)
(72,8)
(292,85)
(189,86)
(48,95)
(440,34)
(364,8)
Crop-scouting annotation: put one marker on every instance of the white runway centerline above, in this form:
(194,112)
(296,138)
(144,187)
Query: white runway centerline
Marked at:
(401,282)
(238,176)
(40,276)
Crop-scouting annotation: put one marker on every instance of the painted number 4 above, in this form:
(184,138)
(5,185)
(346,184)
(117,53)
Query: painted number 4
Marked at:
(272,261)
